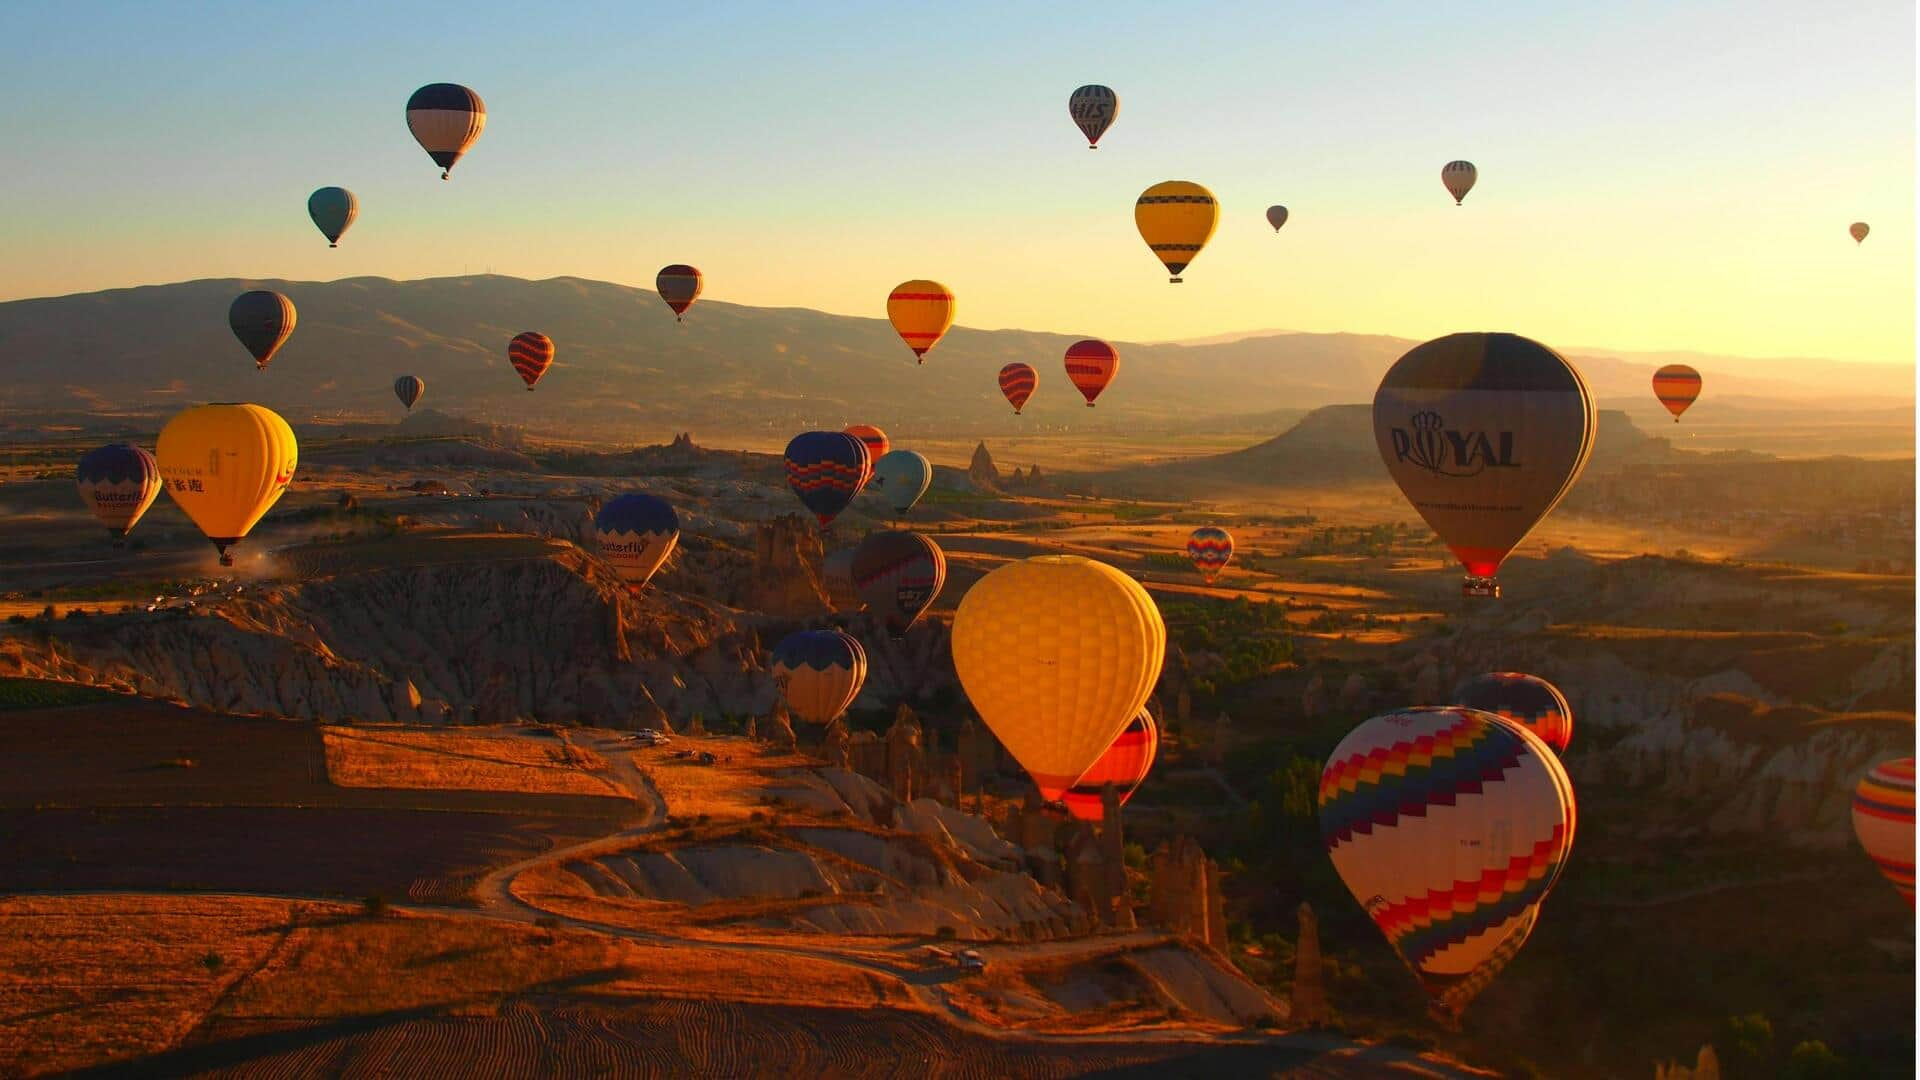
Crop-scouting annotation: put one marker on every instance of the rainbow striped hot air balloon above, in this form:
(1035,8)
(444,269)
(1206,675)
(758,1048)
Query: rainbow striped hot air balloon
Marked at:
(1883,820)
(1449,826)
(531,354)
(1124,765)
(1017,383)
(118,483)
(1676,385)
(1527,700)
(819,672)
(1091,364)
(679,285)
(826,469)
(921,312)
(1210,548)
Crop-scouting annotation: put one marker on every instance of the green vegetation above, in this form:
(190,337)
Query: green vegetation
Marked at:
(1369,540)
(47,694)
(1252,639)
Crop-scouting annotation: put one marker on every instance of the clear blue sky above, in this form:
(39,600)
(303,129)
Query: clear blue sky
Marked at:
(1652,174)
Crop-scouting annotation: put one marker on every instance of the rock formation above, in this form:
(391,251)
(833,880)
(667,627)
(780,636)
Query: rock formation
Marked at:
(981,473)
(1309,990)
(1184,894)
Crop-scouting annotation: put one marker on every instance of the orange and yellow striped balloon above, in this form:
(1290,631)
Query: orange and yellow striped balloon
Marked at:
(1176,219)
(921,311)
(1676,385)
(1883,820)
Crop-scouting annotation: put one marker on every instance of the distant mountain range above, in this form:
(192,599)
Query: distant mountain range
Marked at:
(625,370)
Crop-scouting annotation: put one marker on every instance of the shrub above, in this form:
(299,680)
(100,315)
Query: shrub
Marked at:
(212,961)
(946,933)
(547,922)
(375,906)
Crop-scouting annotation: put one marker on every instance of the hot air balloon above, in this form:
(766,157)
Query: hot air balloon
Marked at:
(636,533)
(531,354)
(903,476)
(333,210)
(679,285)
(826,469)
(1092,365)
(1124,765)
(1057,653)
(118,482)
(1858,230)
(898,573)
(1449,826)
(836,576)
(1276,217)
(1210,547)
(1176,218)
(408,389)
(1484,433)
(1527,700)
(1676,385)
(820,672)
(876,440)
(1094,108)
(263,321)
(921,311)
(1459,176)
(1017,382)
(1883,820)
(445,119)
(226,465)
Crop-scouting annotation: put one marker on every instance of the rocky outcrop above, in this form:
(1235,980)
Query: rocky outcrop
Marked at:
(981,473)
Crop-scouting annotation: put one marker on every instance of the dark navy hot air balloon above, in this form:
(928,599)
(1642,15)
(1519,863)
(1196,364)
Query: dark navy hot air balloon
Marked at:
(637,532)
(408,389)
(263,321)
(826,469)
(118,483)
(820,672)
(333,210)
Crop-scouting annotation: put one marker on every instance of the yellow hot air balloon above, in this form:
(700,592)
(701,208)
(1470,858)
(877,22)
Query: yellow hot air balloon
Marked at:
(1057,653)
(1176,219)
(921,311)
(226,465)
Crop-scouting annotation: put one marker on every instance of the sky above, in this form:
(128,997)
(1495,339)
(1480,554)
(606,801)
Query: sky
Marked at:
(1652,175)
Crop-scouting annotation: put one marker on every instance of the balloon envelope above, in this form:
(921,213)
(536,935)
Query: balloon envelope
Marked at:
(1091,365)
(679,285)
(1210,548)
(921,312)
(1676,385)
(1858,230)
(1484,433)
(1527,700)
(903,476)
(819,673)
(531,354)
(332,210)
(118,482)
(226,465)
(1276,217)
(1057,653)
(1459,177)
(445,119)
(826,469)
(1017,383)
(1093,108)
(1449,826)
(636,532)
(408,389)
(1176,218)
(898,573)
(1883,820)
(1124,765)
(263,321)
(876,440)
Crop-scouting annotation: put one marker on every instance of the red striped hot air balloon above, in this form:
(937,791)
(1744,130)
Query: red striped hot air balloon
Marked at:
(1883,820)
(1091,365)
(1124,765)
(876,440)
(1017,382)
(921,312)
(679,286)
(531,354)
(1676,385)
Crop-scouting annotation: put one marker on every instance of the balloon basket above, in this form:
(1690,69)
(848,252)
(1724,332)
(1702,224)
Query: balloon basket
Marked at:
(1483,587)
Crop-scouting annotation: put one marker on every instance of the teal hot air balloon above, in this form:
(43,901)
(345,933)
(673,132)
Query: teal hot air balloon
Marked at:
(902,476)
(333,210)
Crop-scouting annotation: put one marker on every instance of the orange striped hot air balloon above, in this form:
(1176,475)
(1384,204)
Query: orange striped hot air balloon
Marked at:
(1676,385)
(1092,365)
(1883,820)
(921,311)
(1124,765)
(1017,382)
(876,440)
(531,354)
